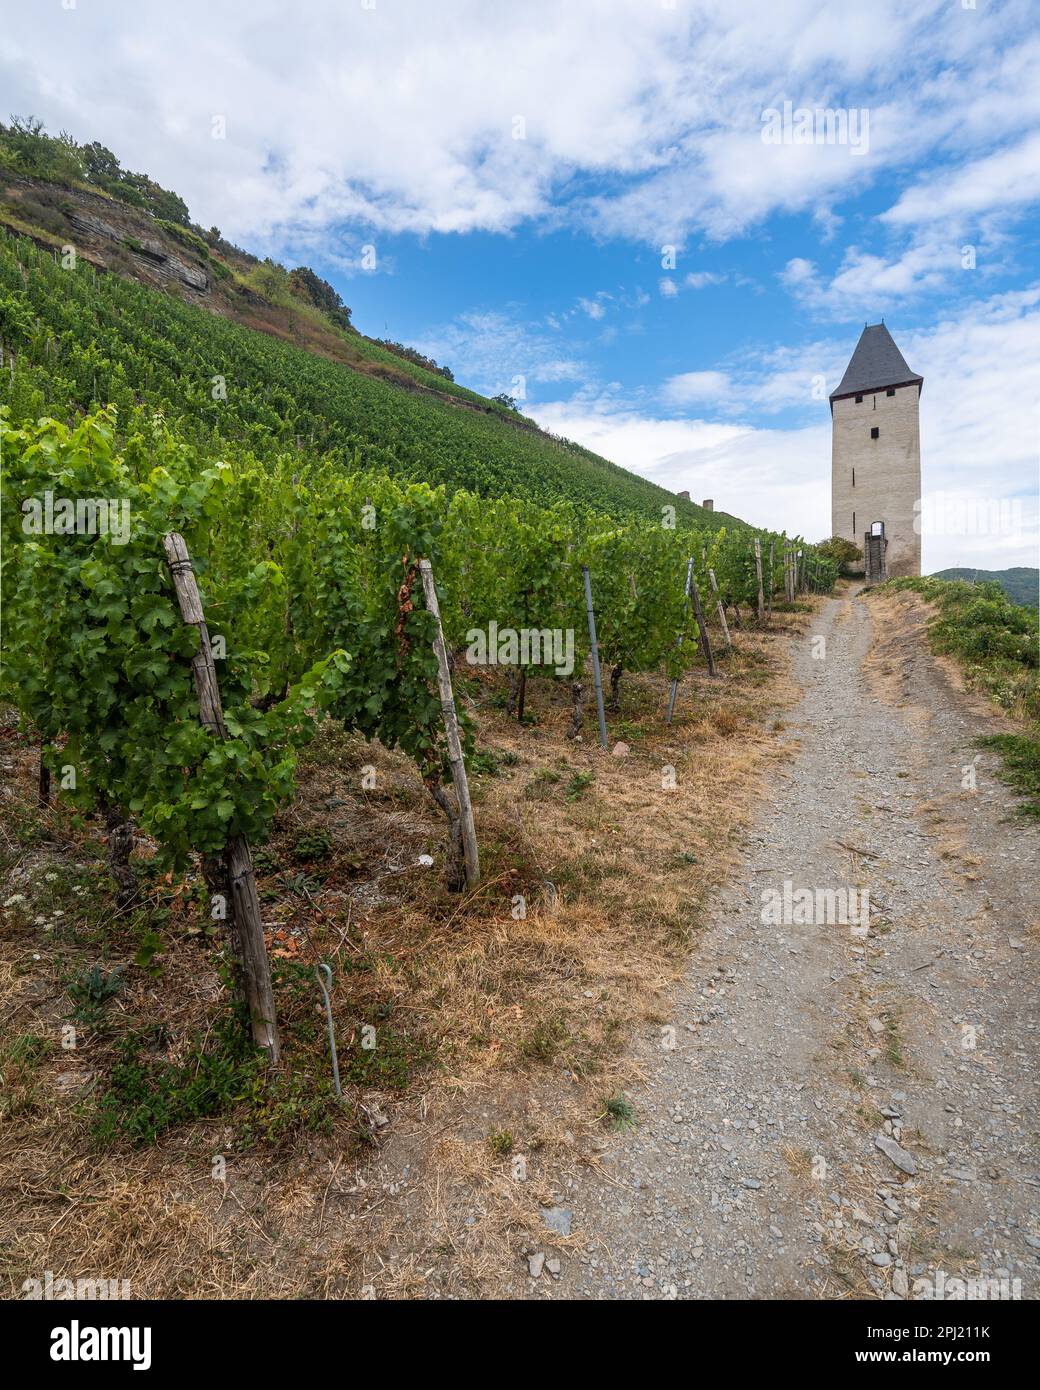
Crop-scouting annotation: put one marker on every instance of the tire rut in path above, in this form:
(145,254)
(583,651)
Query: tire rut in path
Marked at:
(754,1170)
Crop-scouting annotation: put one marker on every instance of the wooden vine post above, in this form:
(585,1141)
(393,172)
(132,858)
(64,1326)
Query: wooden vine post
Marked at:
(702,626)
(720,609)
(678,640)
(772,581)
(597,678)
(247,928)
(451,730)
(758,576)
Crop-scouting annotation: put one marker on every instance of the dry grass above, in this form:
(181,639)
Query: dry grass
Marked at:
(487,1023)
(900,633)
(799,1162)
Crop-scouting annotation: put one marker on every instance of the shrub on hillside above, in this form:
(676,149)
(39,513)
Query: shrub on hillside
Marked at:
(978,623)
(314,290)
(996,641)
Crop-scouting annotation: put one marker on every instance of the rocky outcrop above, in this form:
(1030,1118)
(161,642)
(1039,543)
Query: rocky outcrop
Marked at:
(164,264)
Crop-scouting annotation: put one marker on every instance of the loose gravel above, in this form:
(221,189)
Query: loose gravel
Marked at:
(831,1112)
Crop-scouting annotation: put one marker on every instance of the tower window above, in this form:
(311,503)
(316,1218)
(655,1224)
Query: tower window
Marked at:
(859,400)
(853,523)
(891,391)
(853,477)
(875,433)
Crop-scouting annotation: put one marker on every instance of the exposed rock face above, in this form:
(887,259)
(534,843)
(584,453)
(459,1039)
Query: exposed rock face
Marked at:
(110,234)
(171,267)
(92,226)
(157,260)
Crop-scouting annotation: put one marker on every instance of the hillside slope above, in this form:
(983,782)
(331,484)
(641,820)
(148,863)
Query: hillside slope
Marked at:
(151,293)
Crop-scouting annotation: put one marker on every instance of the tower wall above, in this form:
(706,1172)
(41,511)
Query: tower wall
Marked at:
(878,479)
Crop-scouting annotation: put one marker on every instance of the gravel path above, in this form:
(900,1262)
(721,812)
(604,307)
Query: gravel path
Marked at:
(803,1051)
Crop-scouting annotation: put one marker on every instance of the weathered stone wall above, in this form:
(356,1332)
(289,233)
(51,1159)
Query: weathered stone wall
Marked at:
(878,479)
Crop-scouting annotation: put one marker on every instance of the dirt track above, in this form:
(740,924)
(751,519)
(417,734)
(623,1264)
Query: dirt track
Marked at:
(754,1169)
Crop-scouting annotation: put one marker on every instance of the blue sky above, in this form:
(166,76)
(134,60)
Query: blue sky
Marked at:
(521,170)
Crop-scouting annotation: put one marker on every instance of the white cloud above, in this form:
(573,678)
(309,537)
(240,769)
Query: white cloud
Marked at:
(696,386)
(489,350)
(764,475)
(1006,179)
(798,273)
(402,117)
(760,382)
(595,308)
(870,283)
(700,279)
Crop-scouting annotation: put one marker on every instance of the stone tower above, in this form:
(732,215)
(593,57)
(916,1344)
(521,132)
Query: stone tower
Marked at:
(876,450)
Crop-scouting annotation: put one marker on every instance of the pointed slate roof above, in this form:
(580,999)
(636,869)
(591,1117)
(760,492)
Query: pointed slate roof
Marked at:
(876,364)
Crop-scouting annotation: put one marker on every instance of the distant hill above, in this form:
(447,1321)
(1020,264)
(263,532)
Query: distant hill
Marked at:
(1021,584)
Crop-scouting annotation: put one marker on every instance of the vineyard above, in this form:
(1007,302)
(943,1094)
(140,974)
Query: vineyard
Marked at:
(70,337)
(441,862)
(308,566)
